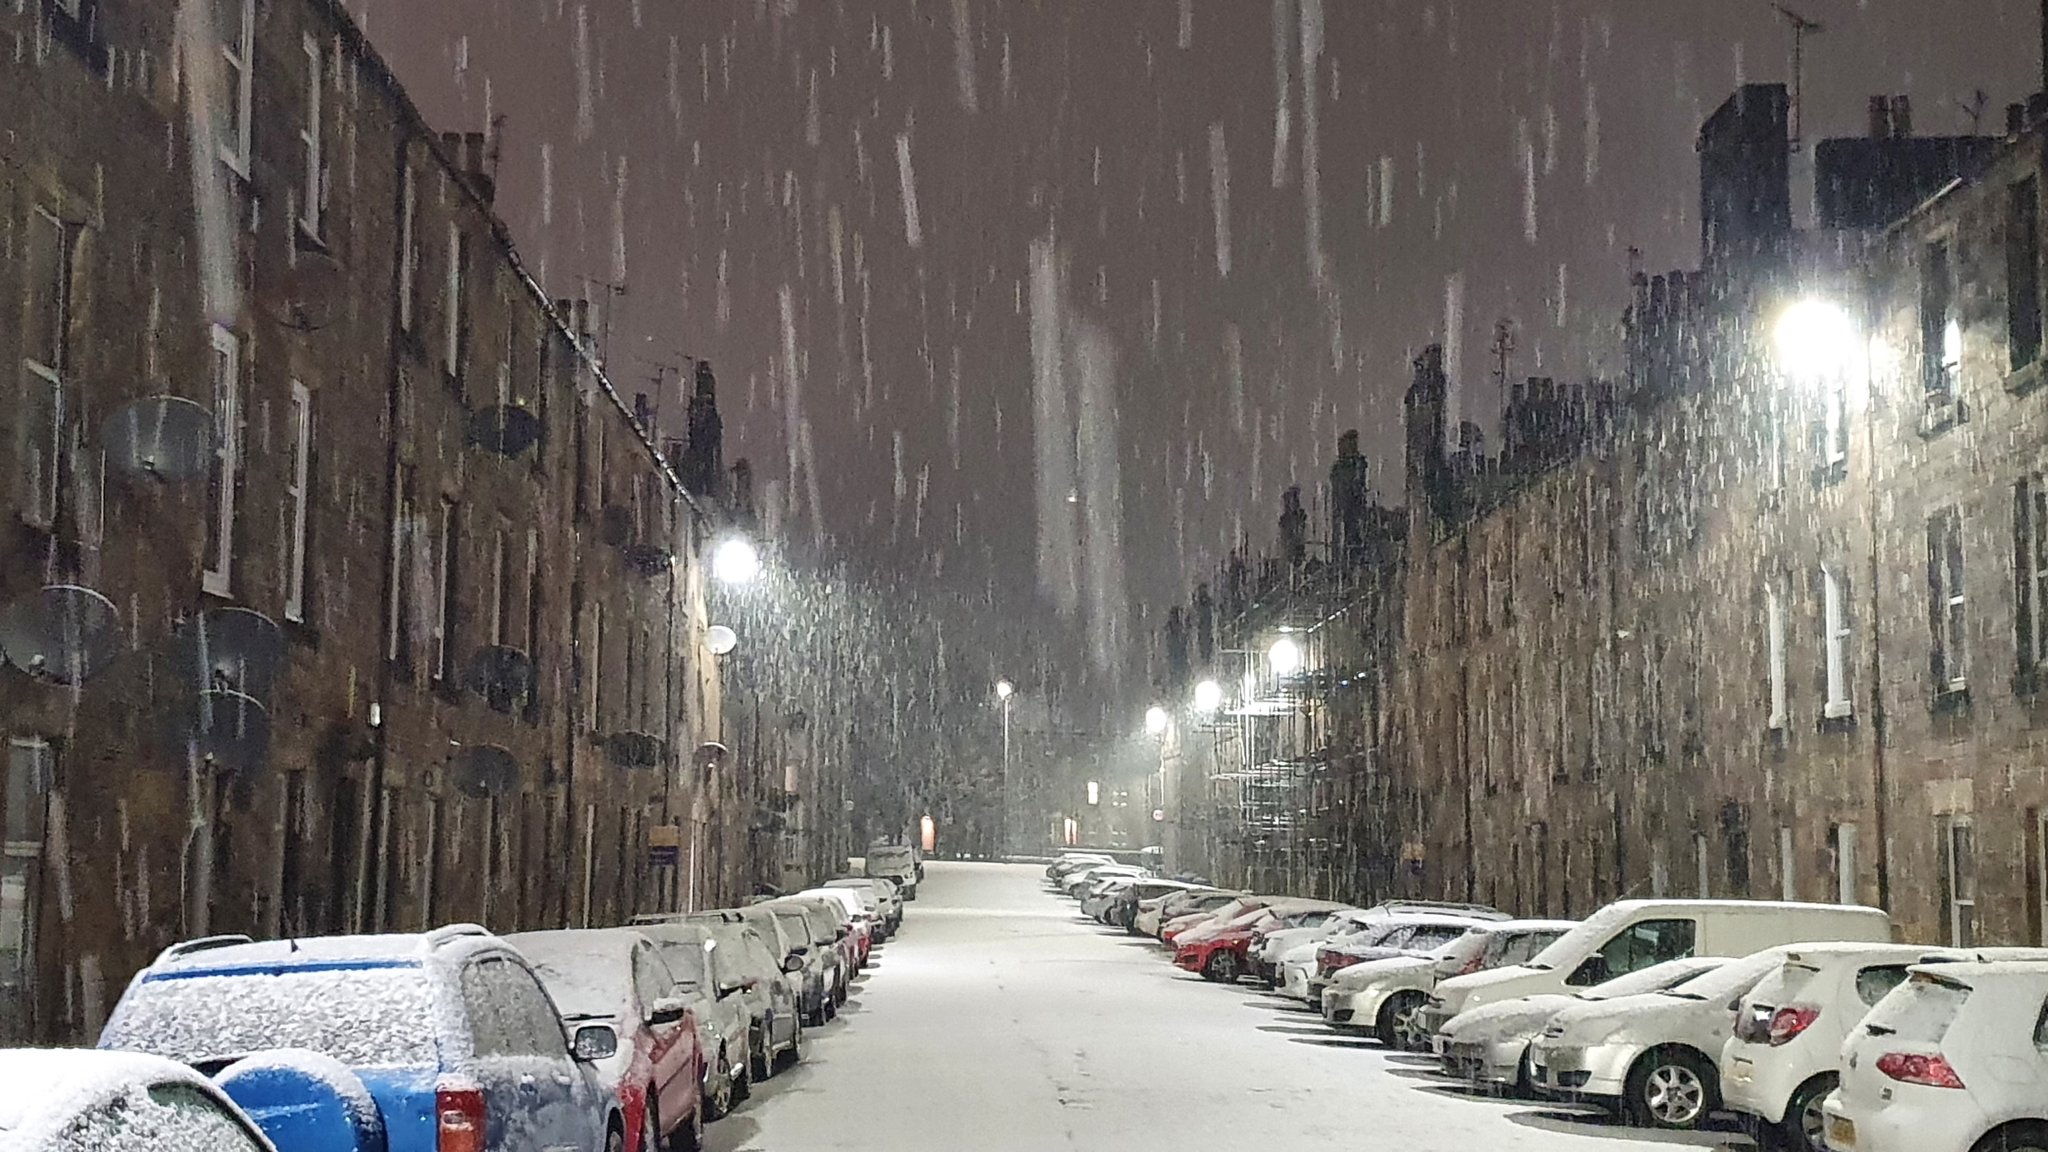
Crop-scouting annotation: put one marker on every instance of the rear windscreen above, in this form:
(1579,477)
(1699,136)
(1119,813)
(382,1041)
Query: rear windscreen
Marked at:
(1782,986)
(1919,1010)
(362,1017)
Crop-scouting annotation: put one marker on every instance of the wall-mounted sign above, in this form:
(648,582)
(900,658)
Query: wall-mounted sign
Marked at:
(664,845)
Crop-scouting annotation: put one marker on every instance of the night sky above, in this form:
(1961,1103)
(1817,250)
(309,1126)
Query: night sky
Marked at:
(1387,169)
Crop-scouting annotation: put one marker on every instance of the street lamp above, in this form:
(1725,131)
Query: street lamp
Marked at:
(1815,338)
(734,561)
(1155,720)
(1208,696)
(1284,657)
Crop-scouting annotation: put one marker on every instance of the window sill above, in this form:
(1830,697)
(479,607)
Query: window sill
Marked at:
(1942,411)
(302,633)
(1837,716)
(1951,701)
(1831,473)
(2025,378)
(307,239)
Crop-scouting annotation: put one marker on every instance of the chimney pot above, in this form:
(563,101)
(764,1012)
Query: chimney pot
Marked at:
(1902,117)
(2015,119)
(1880,117)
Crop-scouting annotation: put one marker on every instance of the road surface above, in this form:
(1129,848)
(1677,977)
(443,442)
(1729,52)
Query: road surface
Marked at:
(1000,1021)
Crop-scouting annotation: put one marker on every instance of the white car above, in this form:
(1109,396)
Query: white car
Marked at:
(888,901)
(1780,1065)
(1386,997)
(86,1100)
(1077,882)
(1488,1047)
(1953,1060)
(1411,935)
(1297,965)
(1273,946)
(1155,913)
(1103,893)
(1651,1058)
(898,862)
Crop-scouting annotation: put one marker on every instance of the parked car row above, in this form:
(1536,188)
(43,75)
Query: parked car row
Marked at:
(1804,1024)
(625,1039)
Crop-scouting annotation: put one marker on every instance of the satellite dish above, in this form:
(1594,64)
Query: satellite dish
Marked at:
(61,633)
(720,639)
(230,648)
(502,676)
(709,754)
(647,559)
(634,749)
(228,730)
(487,770)
(506,429)
(159,437)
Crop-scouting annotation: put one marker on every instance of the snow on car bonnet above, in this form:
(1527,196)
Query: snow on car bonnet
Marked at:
(363,1013)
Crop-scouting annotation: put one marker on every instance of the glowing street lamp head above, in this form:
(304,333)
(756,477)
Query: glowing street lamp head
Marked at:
(1155,720)
(1284,656)
(1208,696)
(1815,338)
(735,562)
(1003,689)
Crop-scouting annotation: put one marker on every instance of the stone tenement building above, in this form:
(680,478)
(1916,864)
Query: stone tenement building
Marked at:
(339,591)
(1770,619)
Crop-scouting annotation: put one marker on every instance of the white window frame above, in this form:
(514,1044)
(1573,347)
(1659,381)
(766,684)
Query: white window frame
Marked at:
(1835,419)
(298,493)
(42,449)
(2033,565)
(453,298)
(395,640)
(1948,611)
(21,864)
(409,247)
(1835,642)
(500,561)
(1774,637)
(596,669)
(444,585)
(1703,865)
(218,577)
(1960,903)
(1845,864)
(1788,864)
(310,135)
(240,59)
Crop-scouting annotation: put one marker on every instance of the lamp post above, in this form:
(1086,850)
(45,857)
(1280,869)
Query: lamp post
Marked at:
(1005,690)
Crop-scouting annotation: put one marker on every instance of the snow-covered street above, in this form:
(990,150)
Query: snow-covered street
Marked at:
(1001,1021)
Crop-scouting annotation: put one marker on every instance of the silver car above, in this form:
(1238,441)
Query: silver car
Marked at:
(711,986)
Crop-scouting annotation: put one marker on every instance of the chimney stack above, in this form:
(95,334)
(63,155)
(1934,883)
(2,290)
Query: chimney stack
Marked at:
(1881,116)
(1902,117)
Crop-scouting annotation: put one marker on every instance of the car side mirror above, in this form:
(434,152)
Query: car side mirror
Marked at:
(843,930)
(794,962)
(595,1042)
(1592,970)
(728,989)
(668,1010)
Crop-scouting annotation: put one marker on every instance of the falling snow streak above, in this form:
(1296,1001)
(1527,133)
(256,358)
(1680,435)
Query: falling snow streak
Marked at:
(586,79)
(963,59)
(205,71)
(1283,113)
(1059,560)
(1101,492)
(913,229)
(1219,196)
(1311,141)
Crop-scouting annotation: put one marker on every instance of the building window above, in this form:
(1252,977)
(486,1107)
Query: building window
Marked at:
(596,670)
(224,475)
(1835,632)
(409,247)
(238,90)
(458,261)
(313,189)
(1941,333)
(1958,881)
(2030,570)
(501,587)
(1774,639)
(1735,848)
(398,611)
(1835,422)
(298,491)
(1842,842)
(24,816)
(50,247)
(446,538)
(1947,659)
(2023,272)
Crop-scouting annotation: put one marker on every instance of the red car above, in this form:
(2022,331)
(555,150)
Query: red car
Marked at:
(1223,957)
(614,976)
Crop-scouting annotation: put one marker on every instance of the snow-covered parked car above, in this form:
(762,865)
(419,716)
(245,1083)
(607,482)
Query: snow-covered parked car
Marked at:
(724,1029)
(85,1101)
(1076,883)
(1405,934)
(1652,1058)
(820,955)
(889,904)
(1631,934)
(449,1031)
(1780,1065)
(1488,1047)
(614,978)
(1271,945)
(898,862)
(753,969)
(1386,997)
(1212,916)
(853,912)
(1102,894)
(1126,910)
(831,928)
(1953,1060)
(1220,952)
(1154,915)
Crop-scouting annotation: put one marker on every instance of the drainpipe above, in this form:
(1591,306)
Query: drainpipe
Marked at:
(371,870)
(1880,773)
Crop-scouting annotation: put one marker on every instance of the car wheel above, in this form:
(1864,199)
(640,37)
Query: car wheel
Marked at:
(1397,1025)
(1224,968)
(744,1089)
(1804,1128)
(2025,1136)
(688,1137)
(615,1141)
(1670,1088)
(718,1090)
(650,1124)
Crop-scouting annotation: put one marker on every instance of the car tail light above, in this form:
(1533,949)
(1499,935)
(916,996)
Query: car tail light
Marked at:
(1473,965)
(1788,1023)
(459,1119)
(1917,1068)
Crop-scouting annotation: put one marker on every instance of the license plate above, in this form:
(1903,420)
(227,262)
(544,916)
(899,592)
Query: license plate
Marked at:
(1841,1132)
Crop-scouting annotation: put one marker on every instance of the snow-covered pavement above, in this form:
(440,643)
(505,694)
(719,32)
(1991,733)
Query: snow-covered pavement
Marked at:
(1000,1021)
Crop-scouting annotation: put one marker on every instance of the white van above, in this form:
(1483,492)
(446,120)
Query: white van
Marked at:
(1631,934)
(896,862)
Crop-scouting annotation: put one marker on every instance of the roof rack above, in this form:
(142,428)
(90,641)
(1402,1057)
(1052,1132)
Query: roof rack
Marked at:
(449,933)
(203,944)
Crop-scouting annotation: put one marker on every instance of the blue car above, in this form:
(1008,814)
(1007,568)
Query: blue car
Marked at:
(447,1036)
